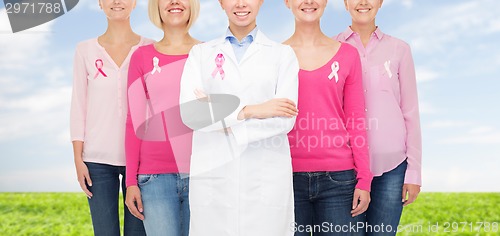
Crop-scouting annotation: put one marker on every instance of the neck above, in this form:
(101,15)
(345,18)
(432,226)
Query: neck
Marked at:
(364,30)
(307,33)
(118,31)
(175,36)
(241,32)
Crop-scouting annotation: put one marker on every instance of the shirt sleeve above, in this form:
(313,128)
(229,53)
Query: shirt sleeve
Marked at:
(252,130)
(410,110)
(355,115)
(78,110)
(132,142)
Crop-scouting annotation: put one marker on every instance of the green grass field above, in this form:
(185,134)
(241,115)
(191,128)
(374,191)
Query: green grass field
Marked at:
(68,214)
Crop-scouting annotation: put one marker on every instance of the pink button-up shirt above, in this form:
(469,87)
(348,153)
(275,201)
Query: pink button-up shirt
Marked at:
(392,103)
(99,103)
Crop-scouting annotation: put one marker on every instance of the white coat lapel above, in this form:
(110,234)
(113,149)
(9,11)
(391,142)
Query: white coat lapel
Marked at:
(225,47)
(254,48)
(260,41)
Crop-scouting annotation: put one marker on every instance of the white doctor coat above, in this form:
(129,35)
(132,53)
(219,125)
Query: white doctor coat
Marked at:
(245,187)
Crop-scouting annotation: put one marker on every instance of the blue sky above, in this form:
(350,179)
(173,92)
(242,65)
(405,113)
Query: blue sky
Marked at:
(454,43)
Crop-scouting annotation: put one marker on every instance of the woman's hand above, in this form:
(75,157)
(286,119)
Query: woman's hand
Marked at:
(277,107)
(134,202)
(360,202)
(412,191)
(82,172)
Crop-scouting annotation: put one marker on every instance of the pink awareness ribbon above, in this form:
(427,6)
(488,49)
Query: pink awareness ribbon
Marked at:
(219,62)
(156,66)
(335,71)
(99,64)
(387,66)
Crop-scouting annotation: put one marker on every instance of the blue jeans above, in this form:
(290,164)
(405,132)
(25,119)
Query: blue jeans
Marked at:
(166,204)
(386,206)
(104,203)
(323,202)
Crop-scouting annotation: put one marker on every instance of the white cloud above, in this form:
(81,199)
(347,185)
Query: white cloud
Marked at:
(48,179)
(45,112)
(474,138)
(448,124)
(407,3)
(481,130)
(465,132)
(10,85)
(211,17)
(282,33)
(22,50)
(493,25)
(34,96)
(473,177)
(425,74)
(433,32)
(40,100)
(147,29)
(427,108)
(337,5)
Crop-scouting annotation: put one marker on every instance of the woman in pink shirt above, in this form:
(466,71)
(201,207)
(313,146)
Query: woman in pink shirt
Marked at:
(328,143)
(158,144)
(392,110)
(98,112)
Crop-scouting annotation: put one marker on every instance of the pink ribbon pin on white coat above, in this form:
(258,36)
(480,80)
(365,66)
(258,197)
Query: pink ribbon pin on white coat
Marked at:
(156,66)
(219,62)
(99,64)
(335,71)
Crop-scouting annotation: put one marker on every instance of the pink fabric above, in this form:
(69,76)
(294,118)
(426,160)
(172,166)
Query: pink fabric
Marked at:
(391,98)
(330,133)
(157,142)
(99,104)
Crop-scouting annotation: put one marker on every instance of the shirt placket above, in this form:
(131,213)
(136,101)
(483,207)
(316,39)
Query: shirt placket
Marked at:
(119,94)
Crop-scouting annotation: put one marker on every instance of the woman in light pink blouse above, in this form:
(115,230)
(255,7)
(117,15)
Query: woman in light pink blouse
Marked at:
(98,113)
(394,132)
(331,176)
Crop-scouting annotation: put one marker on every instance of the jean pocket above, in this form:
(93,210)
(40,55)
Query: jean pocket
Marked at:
(145,179)
(344,177)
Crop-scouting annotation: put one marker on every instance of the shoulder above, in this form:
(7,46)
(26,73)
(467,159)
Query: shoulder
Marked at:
(86,45)
(348,48)
(211,43)
(141,50)
(398,43)
(339,37)
(344,35)
(348,51)
(142,54)
(149,48)
(146,41)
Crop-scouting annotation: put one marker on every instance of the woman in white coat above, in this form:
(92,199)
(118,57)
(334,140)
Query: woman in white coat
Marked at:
(241,173)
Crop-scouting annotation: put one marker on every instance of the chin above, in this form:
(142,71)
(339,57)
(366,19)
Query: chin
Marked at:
(242,23)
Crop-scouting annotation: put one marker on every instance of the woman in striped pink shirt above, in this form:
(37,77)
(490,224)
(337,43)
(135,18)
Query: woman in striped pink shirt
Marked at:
(394,132)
